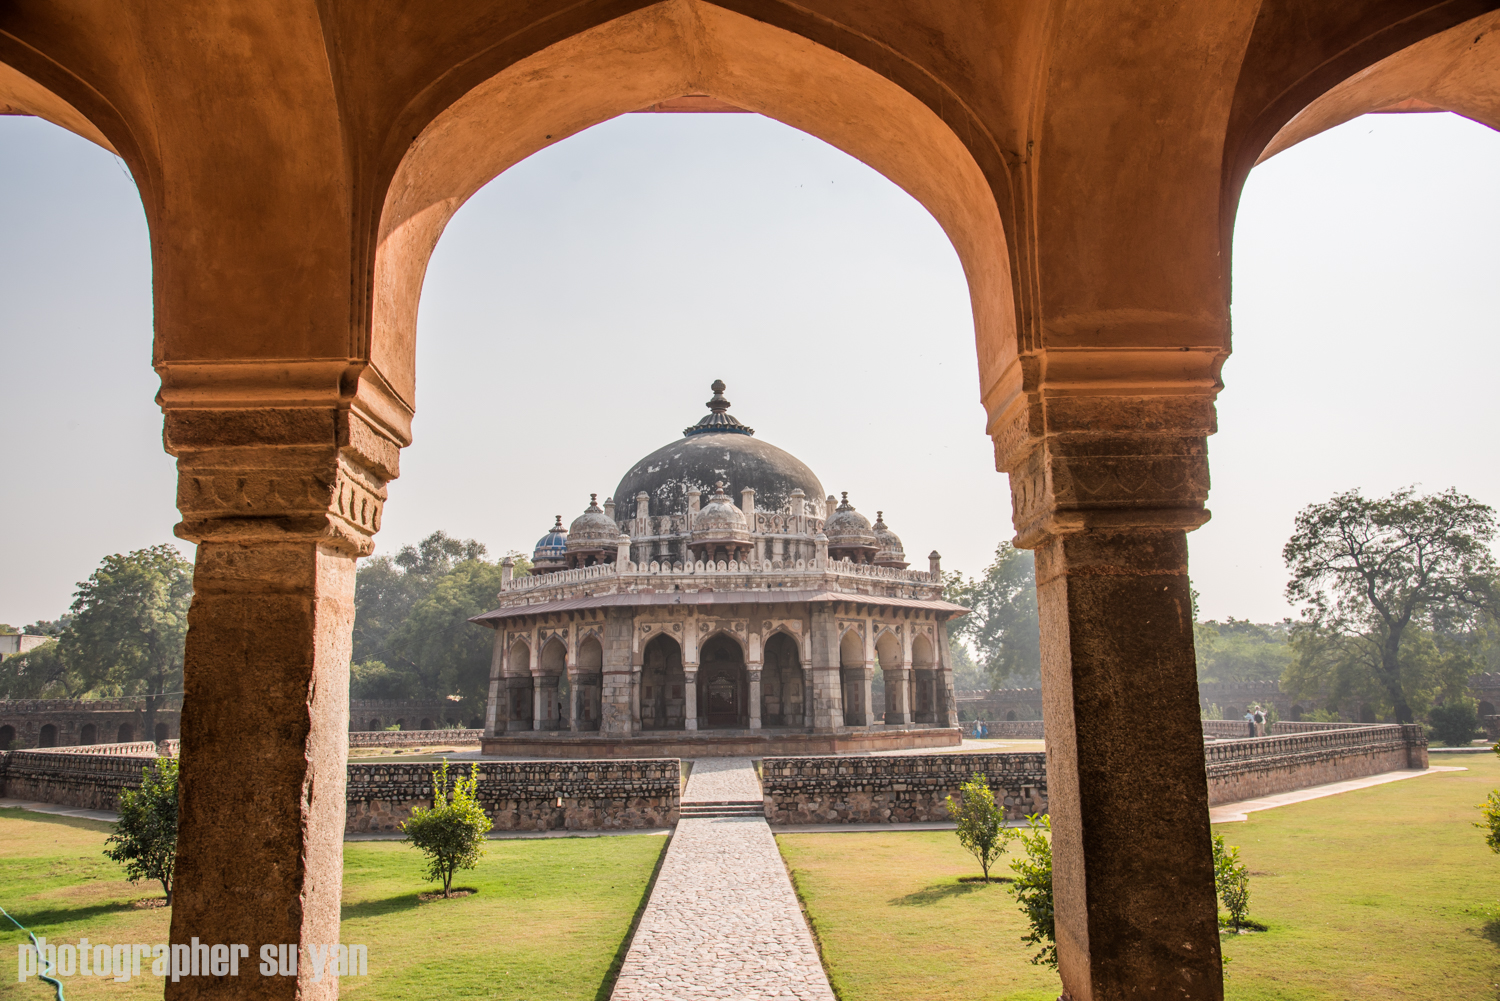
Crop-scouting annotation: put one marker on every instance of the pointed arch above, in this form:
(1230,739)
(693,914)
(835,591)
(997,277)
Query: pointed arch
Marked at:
(667,50)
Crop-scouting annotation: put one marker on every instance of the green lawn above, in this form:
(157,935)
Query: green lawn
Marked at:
(549,921)
(1386,892)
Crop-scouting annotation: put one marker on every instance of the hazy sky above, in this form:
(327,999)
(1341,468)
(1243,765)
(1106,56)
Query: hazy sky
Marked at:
(578,307)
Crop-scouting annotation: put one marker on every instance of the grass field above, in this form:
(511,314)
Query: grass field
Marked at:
(549,921)
(1387,892)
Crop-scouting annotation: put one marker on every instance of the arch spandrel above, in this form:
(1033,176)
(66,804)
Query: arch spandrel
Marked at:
(660,52)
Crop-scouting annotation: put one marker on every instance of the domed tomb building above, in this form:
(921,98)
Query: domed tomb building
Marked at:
(719,602)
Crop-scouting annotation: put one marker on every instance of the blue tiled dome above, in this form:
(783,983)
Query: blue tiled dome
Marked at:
(552,547)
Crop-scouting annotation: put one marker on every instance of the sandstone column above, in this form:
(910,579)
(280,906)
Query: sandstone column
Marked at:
(690,696)
(752,672)
(946,701)
(280,503)
(898,693)
(1107,506)
(494,710)
(825,691)
(615,698)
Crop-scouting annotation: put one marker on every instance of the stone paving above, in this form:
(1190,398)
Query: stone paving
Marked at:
(718,780)
(723,920)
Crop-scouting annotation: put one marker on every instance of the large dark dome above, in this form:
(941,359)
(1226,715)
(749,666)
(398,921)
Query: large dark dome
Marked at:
(717,448)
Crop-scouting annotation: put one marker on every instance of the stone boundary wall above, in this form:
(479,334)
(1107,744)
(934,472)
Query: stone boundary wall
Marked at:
(524,795)
(517,795)
(895,789)
(412,738)
(1247,769)
(1023,729)
(139,748)
(89,781)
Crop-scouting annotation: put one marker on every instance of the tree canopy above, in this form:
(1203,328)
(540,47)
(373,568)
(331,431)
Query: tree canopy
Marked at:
(1394,591)
(412,637)
(1002,625)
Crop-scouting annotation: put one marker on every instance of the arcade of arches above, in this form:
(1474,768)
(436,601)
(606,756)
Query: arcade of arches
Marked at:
(1085,159)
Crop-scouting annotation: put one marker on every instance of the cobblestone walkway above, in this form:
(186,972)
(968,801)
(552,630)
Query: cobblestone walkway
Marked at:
(723,921)
(716,780)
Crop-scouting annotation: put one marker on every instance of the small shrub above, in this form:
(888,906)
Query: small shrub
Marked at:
(1323,716)
(1490,810)
(1212,712)
(981,824)
(1033,888)
(145,838)
(451,833)
(1456,722)
(1231,881)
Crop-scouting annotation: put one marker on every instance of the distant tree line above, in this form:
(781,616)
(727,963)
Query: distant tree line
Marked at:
(123,636)
(412,635)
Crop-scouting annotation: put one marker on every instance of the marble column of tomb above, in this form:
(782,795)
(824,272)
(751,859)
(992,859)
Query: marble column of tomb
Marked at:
(782,624)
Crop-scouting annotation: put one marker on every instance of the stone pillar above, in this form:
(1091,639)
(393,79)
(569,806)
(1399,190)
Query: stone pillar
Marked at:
(538,704)
(898,691)
(690,695)
(492,708)
(1105,491)
(280,502)
(548,702)
(945,701)
(618,675)
(635,698)
(825,691)
(753,673)
(807,696)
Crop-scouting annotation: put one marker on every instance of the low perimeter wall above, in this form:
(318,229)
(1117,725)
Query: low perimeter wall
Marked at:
(517,795)
(90,781)
(1263,766)
(527,795)
(896,789)
(899,789)
(412,738)
(1015,729)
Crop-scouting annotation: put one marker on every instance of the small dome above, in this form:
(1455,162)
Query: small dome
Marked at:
(889,550)
(848,529)
(552,547)
(593,529)
(720,520)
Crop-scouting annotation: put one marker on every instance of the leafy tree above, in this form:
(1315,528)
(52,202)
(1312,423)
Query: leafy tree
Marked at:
(451,833)
(1231,881)
(39,673)
(129,625)
(1456,722)
(1490,811)
(1368,569)
(1240,650)
(1033,888)
(372,679)
(448,654)
(981,824)
(1002,625)
(145,838)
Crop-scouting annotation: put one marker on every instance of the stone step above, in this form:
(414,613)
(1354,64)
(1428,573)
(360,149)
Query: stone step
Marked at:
(724,808)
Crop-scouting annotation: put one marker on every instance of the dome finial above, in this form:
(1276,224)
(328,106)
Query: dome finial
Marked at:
(719,419)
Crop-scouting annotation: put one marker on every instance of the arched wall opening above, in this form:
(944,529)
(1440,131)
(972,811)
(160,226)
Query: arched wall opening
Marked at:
(671,49)
(663,686)
(782,688)
(723,690)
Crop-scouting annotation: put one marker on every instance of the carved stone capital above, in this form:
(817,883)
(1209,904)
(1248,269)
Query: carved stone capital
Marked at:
(279,475)
(1106,463)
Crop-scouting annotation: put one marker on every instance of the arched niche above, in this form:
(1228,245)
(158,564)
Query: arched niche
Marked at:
(663,685)
(782,696)
(660,52)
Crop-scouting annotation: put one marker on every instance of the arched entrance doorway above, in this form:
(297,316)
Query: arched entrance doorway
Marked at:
(781,687)
(48,736)
(663,686)
(721,683)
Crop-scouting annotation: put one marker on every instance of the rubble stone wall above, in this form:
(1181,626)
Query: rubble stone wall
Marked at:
(90,781)
(412,738)
(524,795)
(1247,769)
(895,789)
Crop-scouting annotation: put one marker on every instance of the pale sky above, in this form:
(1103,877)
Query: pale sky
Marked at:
(578,307)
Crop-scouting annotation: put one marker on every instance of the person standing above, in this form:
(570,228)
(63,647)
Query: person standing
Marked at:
(1250,722)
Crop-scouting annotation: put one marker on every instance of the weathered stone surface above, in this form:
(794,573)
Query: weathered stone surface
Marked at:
(524,795)
(895,789)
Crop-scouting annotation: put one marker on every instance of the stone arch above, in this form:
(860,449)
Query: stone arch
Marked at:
(426,724)
(924,700)
(782,687)
(889,685)
(7,737)
(660,52)
(590,654)
(1486,708)
(125,735)
(374,725)
(89,734)
(554,659)
(1295,713)
(723,689)
(663,685)
(48,736)
(163,732)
